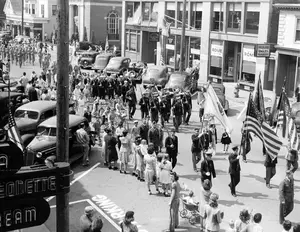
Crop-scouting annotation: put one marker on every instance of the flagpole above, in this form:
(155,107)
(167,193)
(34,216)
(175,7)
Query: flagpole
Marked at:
(182,42)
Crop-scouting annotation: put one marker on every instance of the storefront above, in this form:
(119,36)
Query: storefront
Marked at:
(216,60)
(247,79)
(194,50)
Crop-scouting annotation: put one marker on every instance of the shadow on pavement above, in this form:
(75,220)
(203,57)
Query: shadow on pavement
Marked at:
(254,195)
(190,177)
(229,203)
(258,178)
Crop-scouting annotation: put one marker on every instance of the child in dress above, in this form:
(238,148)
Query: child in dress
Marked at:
(135,148)
(159,160)
(225,140)
(164,176)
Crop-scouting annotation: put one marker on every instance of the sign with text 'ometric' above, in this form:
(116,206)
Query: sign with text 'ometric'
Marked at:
(36,181)
(23,213)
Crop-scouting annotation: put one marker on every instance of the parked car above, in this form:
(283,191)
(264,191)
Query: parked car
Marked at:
(295,114)
(182,80)
(135,71)
(117,65)
(220,91)
(30,115)
(101,61)
(84,46)
(44,143)
(87,59)
(155,75)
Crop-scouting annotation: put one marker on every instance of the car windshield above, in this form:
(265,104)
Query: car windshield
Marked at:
(46,131)
(26,114)
(86,55)
(114,62)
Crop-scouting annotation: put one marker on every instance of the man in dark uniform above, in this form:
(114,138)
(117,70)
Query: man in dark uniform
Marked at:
(154,109)
(154,137)
(131,99)
(196,149)
(207,168)
(144,129)
(110,89)
(101,89)
(187,107)
(171,144)
(270,167)
(163,111)
(144,105)
(125,88)
(286,196)
(234,169)
(177,113)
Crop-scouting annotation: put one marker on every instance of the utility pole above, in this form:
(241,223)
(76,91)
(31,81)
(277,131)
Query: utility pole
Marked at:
(182,42)
(22,18)
(62,108)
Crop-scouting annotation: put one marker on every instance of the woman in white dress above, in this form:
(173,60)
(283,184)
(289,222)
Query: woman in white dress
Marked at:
(150,171)
(81,104)
(164,177)
(141,153)
(124,152)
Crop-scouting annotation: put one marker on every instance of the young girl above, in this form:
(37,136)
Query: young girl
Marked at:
(164,176)
(225,140)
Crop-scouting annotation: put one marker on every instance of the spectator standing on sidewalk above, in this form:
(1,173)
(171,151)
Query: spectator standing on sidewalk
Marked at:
(287,225)
(126,225)
(296,228)
(84,139)
(255,225)
(286,196)
(174,202)
(89,221)
(213,214)
(243,221)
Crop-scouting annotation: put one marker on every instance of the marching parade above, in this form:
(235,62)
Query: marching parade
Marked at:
(150,148)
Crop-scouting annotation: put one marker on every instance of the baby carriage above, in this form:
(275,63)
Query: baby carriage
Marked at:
(190,212)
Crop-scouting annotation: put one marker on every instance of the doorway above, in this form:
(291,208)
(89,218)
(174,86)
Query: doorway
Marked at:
(149,48)
(232,61)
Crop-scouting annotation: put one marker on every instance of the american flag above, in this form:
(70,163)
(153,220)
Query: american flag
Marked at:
(284,113)
(254,123)
(293,135)
(13,131)
(259,99)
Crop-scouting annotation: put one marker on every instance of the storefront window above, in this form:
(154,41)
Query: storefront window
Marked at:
(234,17)
(170,13)
(133,40)
(196,15)
(249,64)
(133,12)
(149,11)
(170,47)
(218,17)
(216,54)
(252,18)
(298,31)
(195,47)
(180,15)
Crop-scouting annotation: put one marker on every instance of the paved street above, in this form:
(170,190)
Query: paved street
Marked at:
(112,193)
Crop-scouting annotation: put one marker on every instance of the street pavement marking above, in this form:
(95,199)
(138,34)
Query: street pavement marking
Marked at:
(78,178)
(96,208)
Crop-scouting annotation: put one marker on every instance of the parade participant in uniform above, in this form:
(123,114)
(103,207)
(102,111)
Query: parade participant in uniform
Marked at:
(207,168)
(270,167)
(154,109)
(234,169)
(171,145)
(125,88)
(196,149)
(177,113)
(154,137)
(144,105)
(286,196)
(131,100)
(135,130)
(144,129)
(110,89)
(292,160)
(163,109)
(187,107)
(83,139)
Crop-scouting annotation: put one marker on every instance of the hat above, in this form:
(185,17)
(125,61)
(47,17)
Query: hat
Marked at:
(214,197)
(293,152)
(235,146)
(209,152)
(206,184)
(129,214)
(88,210)
(135,121)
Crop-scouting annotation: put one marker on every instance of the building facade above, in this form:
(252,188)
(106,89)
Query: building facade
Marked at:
(94,20)
(39,17)
(220,37)
(2,14)
(288,48)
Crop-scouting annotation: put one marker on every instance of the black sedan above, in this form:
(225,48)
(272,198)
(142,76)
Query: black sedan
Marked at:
(87,59)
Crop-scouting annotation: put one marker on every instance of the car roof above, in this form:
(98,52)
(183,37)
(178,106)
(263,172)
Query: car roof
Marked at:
(4,95)
(178,73)
(119,58)
(73,121)
(38,105)
(105,55)
(89,52)
(161,68)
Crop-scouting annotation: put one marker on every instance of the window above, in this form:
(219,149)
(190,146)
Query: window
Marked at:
(234,17)
(298,31)
(218,17)
(133,13)
(149,11)
(195,46)
(33,9)
(170,54)
(180,15)
(27,8)
(54,10)
(43,10)
(170,13)
(196,15)
(113,26)
(216,54)
(133,40)
(252,18)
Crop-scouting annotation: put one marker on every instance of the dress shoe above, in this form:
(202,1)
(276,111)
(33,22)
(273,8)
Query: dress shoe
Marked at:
(269,186)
